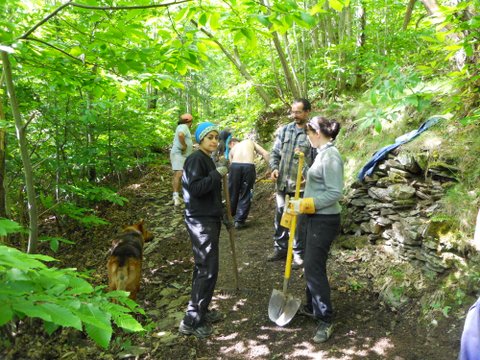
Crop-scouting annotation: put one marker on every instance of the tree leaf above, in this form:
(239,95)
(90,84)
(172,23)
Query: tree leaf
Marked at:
(6,313)
(336,5)
(101,336)
(61,315)
(127,322)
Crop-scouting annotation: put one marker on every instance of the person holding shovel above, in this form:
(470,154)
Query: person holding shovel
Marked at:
(202,193)
(320,203)
(291,138)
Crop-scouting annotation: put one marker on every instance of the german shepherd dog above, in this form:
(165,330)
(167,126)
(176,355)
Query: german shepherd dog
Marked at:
(125,261)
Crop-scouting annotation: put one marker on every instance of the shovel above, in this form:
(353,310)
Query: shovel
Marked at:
(283,306)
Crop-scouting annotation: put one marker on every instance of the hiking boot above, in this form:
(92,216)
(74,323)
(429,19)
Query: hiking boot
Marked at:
(213,316)
(201,331)
(305,310)
(324,331)
(277,255)
(297,262)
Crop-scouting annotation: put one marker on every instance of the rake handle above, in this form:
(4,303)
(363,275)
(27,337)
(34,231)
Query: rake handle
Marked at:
(230,230)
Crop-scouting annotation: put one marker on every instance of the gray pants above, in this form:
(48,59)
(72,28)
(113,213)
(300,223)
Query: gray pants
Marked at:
(204,234)
(281,234)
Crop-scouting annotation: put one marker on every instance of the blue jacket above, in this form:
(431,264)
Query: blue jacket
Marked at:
(381,154)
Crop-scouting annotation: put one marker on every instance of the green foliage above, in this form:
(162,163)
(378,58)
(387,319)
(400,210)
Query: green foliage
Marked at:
(69,209)
(54,241)
(390,96)
(95,194)
(60,297)
(9,227)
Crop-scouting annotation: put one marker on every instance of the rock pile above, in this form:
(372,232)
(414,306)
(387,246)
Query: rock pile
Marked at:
(394,206)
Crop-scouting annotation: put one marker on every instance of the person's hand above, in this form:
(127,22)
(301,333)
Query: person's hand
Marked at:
(222,170)
(274,174)
(301,206)
(294,206)
(227,222)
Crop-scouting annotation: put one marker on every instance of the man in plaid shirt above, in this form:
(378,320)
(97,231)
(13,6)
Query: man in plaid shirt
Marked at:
(284,165)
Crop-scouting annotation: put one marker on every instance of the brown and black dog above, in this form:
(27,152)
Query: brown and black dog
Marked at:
(125,261)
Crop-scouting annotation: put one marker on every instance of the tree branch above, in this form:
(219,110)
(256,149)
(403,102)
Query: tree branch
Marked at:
(58,49)
(113,8)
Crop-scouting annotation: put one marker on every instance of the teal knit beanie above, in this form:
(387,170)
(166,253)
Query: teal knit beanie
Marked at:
(203,129)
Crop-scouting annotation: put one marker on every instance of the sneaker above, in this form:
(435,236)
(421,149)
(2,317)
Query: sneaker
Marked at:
(176,200)
(240,225)
(201,331)
(277,255)
(306,311)
(324,331)
(214,316)
(297,263)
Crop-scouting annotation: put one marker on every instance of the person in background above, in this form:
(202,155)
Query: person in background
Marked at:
(181,148)
(320,204)
(241,177)
(290,138)
(202,193)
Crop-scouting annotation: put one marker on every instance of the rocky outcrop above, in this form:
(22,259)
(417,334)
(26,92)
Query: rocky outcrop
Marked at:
(394,207)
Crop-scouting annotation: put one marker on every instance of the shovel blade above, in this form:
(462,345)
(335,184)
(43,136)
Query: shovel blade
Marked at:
(282,308)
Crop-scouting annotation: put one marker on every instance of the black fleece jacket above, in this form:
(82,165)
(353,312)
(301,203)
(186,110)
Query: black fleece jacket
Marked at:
(202,186)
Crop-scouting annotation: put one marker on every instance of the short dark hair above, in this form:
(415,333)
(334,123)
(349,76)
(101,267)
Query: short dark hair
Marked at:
(306,104)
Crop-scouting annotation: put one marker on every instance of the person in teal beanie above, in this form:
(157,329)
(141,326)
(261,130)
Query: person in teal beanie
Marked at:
(202,193)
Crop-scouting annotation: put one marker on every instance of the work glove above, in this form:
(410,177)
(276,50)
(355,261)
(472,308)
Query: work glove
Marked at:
(222,170)
(301,206)
(222,162)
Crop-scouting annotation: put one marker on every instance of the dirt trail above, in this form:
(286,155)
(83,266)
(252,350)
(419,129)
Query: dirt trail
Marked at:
(364,329)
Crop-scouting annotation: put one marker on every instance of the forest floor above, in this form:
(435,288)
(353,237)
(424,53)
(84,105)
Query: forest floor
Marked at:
(364,327)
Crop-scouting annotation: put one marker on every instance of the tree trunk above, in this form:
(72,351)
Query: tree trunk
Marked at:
(434,10)
(360,15)
(408,14)
(3,152)
(27,166)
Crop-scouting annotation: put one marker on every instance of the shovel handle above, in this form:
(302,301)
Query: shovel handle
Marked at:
(293,226)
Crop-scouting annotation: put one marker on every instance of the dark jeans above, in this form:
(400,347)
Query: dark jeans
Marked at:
(241,179)
(204,234)
(281,234)
(321,231)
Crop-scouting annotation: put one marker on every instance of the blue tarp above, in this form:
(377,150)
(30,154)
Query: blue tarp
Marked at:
(381,154)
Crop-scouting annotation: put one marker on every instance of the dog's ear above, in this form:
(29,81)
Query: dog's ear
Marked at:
(140,227)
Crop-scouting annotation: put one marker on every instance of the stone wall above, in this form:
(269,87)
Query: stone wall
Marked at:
(393,207)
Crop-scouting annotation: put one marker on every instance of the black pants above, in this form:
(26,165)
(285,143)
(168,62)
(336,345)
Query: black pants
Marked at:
(321,231)
(281,234)
(204,234)
(241,179)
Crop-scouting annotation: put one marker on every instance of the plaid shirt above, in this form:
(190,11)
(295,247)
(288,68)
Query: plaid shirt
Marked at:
(282,157)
